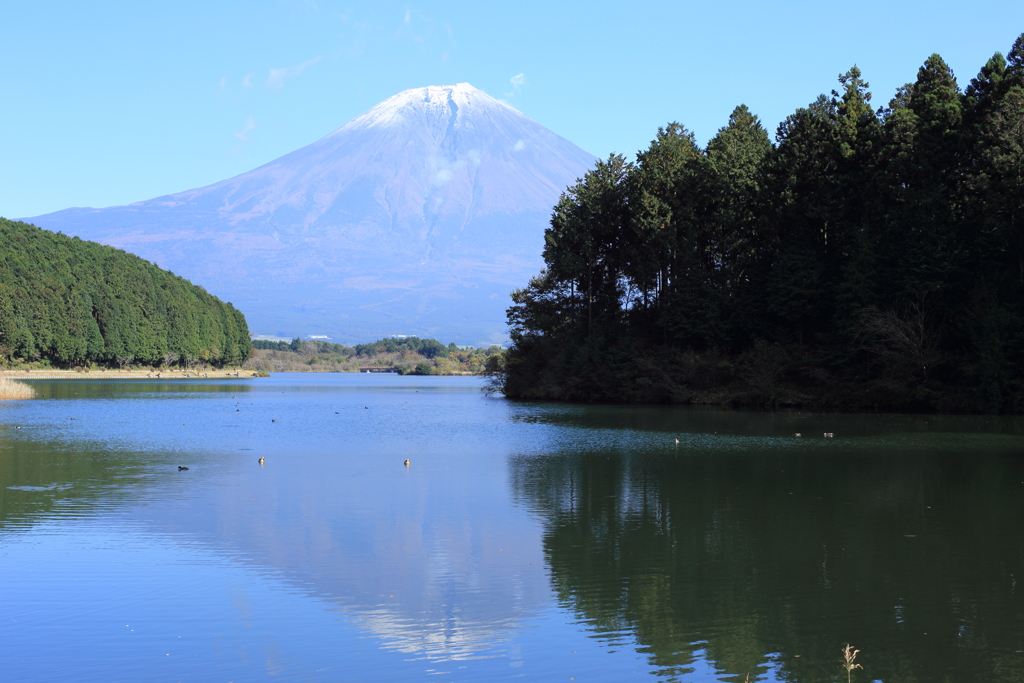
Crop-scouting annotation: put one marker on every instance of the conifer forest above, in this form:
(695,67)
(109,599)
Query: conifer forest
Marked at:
(866,259)
(66,302)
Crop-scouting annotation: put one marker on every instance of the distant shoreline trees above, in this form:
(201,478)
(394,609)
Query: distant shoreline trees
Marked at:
(407,355)
(865,259)
(68,302)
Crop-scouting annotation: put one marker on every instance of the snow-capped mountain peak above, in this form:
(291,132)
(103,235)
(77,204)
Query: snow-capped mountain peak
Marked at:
(436,100)
(425,210)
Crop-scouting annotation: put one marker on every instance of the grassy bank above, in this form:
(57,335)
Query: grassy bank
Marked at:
(11,389)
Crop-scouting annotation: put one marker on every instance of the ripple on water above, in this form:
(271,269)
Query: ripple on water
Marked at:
(552,542)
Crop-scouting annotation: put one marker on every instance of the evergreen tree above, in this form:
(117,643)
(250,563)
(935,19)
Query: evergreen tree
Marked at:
(734,191)
(804,181)
(667,240)
(584,245)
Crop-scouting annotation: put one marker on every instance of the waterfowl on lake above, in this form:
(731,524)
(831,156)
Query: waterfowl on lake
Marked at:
(828,435)
(677,442)
(273,420)
(180,468)
(797,434)
(407,462)
(262,460)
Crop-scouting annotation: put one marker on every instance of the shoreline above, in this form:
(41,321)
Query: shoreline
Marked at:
(126,374)
(21,375)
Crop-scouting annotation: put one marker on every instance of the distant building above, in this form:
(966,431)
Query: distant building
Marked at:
(270,338)
(318,337)
(398,336)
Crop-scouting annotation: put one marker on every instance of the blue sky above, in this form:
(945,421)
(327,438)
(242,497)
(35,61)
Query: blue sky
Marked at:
(113,102)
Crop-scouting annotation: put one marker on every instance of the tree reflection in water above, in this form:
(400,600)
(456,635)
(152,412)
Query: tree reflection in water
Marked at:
(769,561)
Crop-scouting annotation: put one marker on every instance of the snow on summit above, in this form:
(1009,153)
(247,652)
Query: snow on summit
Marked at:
(437,100)
(423,213)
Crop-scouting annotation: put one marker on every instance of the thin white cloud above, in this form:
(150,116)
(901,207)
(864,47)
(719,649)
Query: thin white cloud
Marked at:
(518,82)
(247,80)
(247,128)
(276,77)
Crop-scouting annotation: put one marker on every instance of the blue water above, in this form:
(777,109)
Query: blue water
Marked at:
(538,541)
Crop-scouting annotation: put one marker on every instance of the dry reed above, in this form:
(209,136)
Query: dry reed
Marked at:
(13,389)
(849,655)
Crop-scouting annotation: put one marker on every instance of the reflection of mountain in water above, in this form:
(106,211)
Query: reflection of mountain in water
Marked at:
(776,558)
(433,580)
(738,548)
(430,570)
(438,584)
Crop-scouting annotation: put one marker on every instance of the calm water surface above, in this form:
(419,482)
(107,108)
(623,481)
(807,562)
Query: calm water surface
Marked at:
(537,541)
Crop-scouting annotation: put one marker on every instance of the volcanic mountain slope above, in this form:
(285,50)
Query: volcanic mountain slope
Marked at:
(417,217)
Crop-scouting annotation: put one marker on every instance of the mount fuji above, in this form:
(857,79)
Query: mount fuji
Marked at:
(417,217)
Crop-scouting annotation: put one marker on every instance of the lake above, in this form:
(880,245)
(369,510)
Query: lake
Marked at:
(524,540)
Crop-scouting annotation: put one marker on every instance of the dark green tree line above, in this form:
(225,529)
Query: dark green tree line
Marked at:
(865,258)
(72,302)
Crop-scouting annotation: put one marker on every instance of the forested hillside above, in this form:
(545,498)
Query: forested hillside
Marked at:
(70,302)
(864,259)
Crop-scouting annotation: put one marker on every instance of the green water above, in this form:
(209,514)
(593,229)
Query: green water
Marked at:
(537,541)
